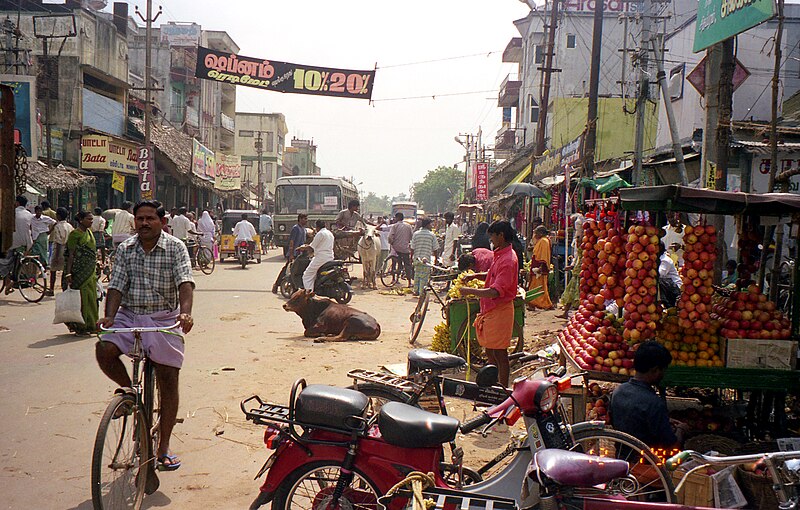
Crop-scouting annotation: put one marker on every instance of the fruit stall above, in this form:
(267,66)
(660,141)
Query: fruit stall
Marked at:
(733,338)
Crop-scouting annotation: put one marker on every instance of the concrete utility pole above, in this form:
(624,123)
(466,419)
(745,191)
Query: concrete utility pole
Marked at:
(259,146)
(673,127)
(644,92)
(7,158)
(547,70)
(148,75)
(775,166)
(590,143)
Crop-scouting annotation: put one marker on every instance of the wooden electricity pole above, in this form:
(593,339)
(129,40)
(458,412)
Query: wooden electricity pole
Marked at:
(547,71)
(7,158)
(590,143)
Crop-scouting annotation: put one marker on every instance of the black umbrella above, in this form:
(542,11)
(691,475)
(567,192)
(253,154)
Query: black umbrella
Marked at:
(524,188)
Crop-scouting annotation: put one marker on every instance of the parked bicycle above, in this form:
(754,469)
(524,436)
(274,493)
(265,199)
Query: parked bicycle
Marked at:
(438,285)
(123,459)
(202,257)
(28,276)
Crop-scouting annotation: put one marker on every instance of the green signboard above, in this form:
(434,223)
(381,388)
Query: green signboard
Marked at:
(718,20)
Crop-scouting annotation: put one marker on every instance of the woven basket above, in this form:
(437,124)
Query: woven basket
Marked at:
(712,442)
(757,489)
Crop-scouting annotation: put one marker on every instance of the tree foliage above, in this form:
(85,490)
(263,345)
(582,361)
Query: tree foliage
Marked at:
(441,190)
(373,204)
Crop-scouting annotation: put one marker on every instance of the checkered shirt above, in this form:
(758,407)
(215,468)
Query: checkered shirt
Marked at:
(149,281)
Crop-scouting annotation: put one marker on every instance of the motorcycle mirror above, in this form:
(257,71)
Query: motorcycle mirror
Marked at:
(487,376)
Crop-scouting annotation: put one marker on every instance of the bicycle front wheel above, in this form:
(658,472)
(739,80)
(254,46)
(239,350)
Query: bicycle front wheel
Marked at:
(205,259)
(31,280)
(652,482)
(120,456)
(418,317)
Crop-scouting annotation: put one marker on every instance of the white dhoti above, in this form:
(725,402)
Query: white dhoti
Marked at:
(310,274)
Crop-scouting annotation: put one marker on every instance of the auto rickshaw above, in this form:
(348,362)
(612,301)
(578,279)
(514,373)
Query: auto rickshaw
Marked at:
(227,244)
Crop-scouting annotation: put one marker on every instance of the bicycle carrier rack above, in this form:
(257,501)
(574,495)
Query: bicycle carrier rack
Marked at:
(370,376)
(449,499)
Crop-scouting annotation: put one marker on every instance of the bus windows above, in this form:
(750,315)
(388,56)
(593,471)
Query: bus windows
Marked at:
(325,198)
(291,199)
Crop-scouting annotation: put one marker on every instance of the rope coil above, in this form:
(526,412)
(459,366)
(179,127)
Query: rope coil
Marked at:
(418,482)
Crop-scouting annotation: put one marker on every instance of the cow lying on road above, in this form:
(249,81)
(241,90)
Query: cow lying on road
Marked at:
(322,316)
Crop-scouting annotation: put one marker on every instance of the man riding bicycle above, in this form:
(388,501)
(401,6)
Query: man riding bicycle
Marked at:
(21,241)
(151,285)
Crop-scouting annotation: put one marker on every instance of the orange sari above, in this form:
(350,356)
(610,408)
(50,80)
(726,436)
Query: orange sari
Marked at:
(541,253)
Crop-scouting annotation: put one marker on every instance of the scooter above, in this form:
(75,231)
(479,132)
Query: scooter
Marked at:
(243,253)
(344,458)
(333,279)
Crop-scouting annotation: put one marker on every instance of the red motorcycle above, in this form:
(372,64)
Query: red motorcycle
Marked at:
(343,458)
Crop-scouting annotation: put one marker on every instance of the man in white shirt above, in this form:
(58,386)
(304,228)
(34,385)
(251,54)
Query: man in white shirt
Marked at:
(322,245)
(668,278)
(123,226)
(99,232)
(20,241)
(41,226)
(245,231)
(181,225)
(451,235)
(673,239)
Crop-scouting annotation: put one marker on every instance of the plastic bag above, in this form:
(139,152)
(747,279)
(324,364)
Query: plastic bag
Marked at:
(68,307)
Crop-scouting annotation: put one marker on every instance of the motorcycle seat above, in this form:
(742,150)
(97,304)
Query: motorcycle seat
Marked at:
(410,427)
(330,264)
(575,469)
(423,359)
(329,406)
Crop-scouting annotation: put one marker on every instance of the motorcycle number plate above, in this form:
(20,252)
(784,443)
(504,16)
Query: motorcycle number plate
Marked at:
(268,464)
(535,438)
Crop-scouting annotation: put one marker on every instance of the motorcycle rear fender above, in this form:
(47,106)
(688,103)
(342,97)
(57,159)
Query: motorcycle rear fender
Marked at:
(383,464)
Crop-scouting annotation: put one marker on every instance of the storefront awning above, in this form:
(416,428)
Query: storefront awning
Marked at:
(704,201)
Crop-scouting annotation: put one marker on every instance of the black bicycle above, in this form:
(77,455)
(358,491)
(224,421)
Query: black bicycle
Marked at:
(123,459)
(438,285)
(28,276)
(392,271)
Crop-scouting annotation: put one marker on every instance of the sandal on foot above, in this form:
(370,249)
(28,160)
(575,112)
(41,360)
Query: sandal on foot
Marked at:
(168,462)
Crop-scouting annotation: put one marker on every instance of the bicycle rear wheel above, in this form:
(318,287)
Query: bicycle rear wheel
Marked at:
(418,317)
(120,456)
(31,280)
(205,259)
(389,271)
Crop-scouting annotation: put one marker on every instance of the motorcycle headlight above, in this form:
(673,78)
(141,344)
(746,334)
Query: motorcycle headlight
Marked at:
(546,397)
(282,228)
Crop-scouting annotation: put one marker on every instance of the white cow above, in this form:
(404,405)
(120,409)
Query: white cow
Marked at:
(369,248)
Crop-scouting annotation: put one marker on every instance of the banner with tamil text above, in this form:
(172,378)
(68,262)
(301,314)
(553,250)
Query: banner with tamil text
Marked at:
(283,76)
(229,173)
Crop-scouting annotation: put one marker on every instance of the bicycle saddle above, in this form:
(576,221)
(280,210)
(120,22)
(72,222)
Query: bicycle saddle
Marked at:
(423,359)
(410,427)
(575,469)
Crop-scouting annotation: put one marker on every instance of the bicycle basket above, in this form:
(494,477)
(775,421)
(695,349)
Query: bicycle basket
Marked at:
(445,499)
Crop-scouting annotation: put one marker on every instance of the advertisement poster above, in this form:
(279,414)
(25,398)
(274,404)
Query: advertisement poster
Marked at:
(118,182)
(229,173)
(481,181)
(147,178)
(283,76)
(556,160)
(100,152)
(203,161)
(24,88)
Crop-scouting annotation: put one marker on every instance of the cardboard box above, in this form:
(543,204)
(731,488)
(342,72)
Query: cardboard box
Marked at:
(697,490)
(752,353)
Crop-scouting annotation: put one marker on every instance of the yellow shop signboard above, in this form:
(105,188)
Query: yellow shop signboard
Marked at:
(100,152)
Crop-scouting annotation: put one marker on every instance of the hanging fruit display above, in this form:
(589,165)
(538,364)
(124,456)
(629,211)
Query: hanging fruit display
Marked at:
(641,311)
(699,254)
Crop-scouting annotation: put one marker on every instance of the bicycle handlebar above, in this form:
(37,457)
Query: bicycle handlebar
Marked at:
(167,330)
(676,460)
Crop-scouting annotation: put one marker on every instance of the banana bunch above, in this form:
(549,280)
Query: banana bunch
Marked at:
(453,293)
(441,338)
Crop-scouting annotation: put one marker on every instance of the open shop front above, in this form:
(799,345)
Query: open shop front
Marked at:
(733,380)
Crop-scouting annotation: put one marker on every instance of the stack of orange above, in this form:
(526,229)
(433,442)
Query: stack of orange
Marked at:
(690,347)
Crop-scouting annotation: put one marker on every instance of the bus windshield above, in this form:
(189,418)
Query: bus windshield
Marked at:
(296,198)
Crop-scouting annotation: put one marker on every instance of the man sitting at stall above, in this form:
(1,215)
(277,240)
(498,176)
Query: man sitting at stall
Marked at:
(636,408)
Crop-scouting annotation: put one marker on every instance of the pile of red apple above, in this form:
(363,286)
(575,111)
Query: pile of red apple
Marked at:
(597,404)
(592,338)
(699,254)
(749,314)
(641,311)
(589,284)
(611,264)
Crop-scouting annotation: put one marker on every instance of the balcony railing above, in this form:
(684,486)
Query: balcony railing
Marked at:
(227,123)
(509,92)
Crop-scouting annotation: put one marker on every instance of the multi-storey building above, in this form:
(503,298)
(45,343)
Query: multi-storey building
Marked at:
(300,158)
(271,128)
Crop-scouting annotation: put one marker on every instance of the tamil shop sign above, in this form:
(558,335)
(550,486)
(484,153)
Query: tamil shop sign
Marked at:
(229,173)
(718,20)
(100,152)
(283,76)
(481,181)
(204,164)
(557,160)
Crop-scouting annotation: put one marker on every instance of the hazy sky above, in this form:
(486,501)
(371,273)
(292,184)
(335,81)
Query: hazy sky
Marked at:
(390,144)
